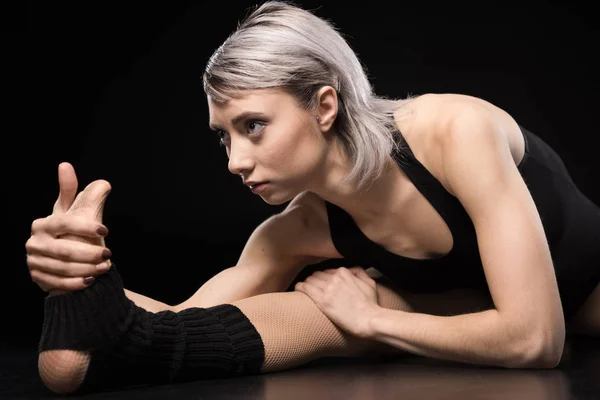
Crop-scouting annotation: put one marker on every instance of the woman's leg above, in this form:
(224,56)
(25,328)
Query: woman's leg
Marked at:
(293,330)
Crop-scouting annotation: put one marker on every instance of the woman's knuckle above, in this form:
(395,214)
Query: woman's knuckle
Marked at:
(30,245)
(35,276)
(60,224)
(63,252)
(32,261)
(37,224)
(62,269)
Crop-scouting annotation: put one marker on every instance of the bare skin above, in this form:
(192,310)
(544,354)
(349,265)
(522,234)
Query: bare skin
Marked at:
(392,213)
(305,160)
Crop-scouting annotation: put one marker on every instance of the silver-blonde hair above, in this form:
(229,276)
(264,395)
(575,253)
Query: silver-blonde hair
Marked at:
(279,45)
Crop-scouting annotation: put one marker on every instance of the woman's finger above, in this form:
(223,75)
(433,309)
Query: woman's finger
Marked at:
(62,224)
(330,271)
(48,282)
(310,290)
(361,274)
(64,269)
(316,282)
(68,250)
(321,274)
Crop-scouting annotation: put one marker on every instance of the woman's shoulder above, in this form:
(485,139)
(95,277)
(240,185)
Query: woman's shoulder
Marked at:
(435,116)
(431,120)
(436,107)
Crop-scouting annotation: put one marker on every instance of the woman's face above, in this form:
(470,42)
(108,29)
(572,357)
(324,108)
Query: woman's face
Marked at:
(269,138)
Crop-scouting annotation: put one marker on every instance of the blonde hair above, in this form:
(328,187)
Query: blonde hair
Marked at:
(279,45)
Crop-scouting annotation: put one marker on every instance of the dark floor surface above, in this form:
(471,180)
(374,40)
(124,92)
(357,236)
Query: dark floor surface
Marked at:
(413,377)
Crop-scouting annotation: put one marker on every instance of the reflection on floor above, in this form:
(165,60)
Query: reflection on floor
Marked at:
(578,377)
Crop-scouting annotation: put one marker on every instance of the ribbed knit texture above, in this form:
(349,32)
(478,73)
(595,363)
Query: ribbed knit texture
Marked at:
(130,345)
(89,319)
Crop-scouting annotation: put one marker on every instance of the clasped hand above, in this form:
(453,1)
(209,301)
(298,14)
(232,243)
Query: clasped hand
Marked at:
(347,296)
(67,250)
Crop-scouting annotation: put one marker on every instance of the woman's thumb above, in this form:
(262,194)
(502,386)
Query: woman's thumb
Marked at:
(67,182)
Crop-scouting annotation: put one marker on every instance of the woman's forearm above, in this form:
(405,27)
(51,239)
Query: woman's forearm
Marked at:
(476,338)
(147,303)
(234,284)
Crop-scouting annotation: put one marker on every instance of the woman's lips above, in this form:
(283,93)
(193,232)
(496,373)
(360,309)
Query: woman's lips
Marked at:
(258,188)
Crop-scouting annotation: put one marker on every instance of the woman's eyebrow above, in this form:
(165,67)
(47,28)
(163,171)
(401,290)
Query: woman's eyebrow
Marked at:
(235,120)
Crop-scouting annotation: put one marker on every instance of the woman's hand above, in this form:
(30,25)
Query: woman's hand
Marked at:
(348,297)
(66,249)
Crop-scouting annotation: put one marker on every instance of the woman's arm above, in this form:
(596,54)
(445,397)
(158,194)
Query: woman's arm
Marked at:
(479,338)
(478,167)
(147,303)
(275,253)
(526,327)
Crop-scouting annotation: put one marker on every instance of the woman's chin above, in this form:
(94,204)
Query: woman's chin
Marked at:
(276,199)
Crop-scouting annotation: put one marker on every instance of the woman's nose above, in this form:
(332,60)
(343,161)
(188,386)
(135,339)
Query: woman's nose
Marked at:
(239,161)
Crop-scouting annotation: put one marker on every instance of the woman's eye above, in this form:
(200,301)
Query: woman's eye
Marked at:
(255,126)
(222,137)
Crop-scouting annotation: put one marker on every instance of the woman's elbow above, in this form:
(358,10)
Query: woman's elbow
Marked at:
(541,351)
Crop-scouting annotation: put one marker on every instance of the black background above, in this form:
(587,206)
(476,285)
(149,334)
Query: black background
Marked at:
(115,89)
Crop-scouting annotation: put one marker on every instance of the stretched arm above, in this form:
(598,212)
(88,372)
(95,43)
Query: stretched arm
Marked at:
(147,303)
(67,249)
(448,325)
(479,338)
(275,253)
(512,243)
(236,283)
(229,285)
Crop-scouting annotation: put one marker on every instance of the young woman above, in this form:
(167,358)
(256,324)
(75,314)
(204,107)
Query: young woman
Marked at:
(487,244)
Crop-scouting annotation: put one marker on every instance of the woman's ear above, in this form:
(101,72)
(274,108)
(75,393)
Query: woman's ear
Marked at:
(327,107)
